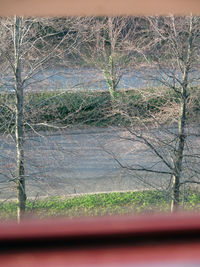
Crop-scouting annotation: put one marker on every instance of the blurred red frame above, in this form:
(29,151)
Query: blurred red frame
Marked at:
(164,240)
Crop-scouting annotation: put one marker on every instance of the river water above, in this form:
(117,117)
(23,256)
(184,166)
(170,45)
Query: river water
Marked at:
(92,79)
(85,78)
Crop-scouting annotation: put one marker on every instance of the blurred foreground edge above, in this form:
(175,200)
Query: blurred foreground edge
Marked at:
(97,7)
(162,240)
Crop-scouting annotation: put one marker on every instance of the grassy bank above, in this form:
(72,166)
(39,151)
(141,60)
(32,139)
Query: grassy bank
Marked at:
(93,108)
(101,204)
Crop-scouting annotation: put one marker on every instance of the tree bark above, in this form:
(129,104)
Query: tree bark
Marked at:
(181,126)
(179,154)
(19,128)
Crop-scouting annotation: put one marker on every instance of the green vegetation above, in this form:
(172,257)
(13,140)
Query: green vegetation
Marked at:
(101,204)
(91,108)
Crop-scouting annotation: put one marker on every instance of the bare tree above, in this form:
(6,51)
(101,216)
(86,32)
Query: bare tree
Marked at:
(162,119)
(113,47)
(178,68)
(29,49)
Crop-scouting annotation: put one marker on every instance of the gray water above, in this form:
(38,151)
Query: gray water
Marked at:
(93,79)
(85,78)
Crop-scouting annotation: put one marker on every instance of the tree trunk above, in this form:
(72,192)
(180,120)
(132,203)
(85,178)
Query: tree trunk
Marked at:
(175,194)
(111,78)
(19,128)
(179,155)
(19,131)
(181,127)
(181,143)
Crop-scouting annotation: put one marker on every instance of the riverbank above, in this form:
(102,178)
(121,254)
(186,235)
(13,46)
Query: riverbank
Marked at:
(51,110)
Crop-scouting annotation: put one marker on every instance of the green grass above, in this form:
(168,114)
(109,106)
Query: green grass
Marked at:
(100,205)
